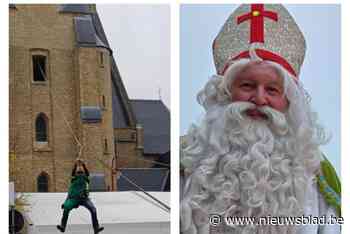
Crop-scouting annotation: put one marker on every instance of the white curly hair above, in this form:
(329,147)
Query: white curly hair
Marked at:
(243,167)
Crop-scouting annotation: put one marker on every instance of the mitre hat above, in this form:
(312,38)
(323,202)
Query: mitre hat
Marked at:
(268,29)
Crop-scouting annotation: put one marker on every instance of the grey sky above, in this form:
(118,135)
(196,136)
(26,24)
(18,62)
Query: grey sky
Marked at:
(140,39)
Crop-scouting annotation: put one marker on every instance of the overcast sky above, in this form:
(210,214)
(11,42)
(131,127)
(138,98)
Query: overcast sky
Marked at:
(140,39)
(320,73)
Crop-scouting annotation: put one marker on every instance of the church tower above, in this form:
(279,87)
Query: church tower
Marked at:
(60,96)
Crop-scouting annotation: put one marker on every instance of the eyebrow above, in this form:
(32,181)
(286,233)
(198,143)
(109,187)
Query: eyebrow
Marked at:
(275,83)
(245,80)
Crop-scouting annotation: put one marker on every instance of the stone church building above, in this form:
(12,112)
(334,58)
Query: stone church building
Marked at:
(67,98)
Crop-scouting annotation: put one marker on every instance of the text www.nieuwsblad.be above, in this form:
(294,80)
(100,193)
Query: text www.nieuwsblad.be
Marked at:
(215,220)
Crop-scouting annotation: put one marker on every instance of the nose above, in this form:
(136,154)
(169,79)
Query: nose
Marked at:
(259,97)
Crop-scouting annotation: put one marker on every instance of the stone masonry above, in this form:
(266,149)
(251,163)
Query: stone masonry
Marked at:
(75,77)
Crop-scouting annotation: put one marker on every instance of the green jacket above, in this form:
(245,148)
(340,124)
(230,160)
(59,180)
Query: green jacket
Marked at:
(79,188)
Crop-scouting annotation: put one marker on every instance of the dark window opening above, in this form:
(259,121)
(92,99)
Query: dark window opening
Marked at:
(105,145)
(39,65)
(103,101)
(43,182)
(101,58)
(40,129)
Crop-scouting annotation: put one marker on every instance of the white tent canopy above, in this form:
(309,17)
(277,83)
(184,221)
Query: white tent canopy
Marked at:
(119,212)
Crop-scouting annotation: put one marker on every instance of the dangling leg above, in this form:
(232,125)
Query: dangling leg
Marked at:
(64,220)
(90,206)
(68,205)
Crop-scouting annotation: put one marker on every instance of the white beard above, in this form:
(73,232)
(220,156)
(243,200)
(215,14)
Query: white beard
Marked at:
(246,168)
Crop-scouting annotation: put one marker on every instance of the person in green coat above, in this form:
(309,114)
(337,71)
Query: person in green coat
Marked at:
(78,195)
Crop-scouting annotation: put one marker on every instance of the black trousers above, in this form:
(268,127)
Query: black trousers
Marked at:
(87,203)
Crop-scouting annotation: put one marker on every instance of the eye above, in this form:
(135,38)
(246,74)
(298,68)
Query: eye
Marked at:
(246,86)
(273,90)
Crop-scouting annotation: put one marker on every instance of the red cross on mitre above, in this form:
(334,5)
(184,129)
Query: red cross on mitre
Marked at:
(256,17)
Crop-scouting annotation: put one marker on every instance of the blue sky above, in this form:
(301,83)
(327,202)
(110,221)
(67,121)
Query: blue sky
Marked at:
(320,73)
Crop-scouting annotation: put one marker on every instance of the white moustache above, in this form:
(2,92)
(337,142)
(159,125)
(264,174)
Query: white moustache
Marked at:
(236,110)
(277,120)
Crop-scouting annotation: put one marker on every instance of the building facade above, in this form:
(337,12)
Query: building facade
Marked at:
(67,100)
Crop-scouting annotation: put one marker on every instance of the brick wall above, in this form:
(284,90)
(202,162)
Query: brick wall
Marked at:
(75,77)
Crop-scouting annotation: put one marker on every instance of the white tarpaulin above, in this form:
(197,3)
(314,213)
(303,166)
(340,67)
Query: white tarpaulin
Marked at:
(119,212)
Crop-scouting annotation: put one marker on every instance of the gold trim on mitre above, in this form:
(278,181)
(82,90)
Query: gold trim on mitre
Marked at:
(281,37)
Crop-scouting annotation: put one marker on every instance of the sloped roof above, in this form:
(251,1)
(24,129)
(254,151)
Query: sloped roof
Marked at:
(89,33)
(120,118)
(75,8)
(86,34)
(90,114)
(154,117)
(123,115)
(149,179)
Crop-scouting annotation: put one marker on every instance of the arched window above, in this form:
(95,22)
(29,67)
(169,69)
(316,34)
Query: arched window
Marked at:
(41,128)
(43,182)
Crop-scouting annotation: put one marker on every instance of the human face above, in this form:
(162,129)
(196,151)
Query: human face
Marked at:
(260,84)
(80,168)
